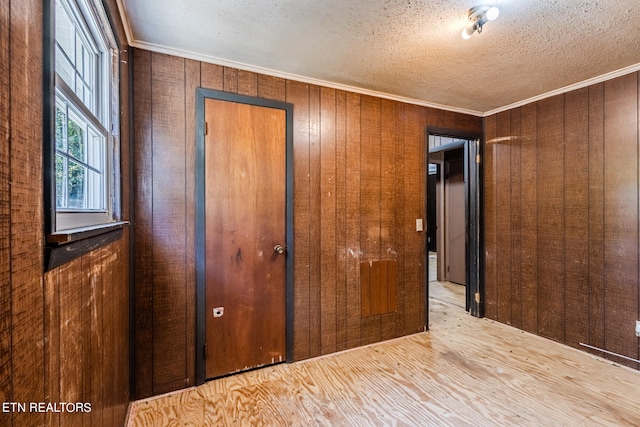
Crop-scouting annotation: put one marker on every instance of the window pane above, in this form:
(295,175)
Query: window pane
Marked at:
(95,150)
(94,191)
(60,131)
(76,139)
(75,189)
(65,69)
(60,179)
(65,32)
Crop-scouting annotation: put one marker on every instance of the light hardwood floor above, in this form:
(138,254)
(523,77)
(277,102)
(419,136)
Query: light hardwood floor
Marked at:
(463,372)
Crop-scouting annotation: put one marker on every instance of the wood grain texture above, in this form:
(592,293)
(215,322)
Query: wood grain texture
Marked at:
(503,217)
(621,214)
(503,376)
(370,206)
(143,225)
(192,81)
(596,216)
(414,243)
(212,76)
(169,208)
(489,225)
(333,170)
(298,95)
(529,218)
(6,389)
(515,227)
(353,243)
(342,259)
(26,213)
(578,207)
(551,226)
(328,222)
(315,222)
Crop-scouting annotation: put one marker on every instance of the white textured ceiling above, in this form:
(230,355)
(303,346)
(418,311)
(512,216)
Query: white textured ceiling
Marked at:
(404,49)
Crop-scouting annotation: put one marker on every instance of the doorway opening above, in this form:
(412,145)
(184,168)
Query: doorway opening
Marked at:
(453,219)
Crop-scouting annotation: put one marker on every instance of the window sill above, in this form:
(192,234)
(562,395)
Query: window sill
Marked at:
(75,234)
(67,245)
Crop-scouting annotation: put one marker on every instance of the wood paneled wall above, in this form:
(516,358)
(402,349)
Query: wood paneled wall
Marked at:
(561,216)
(64,335)
(359,179)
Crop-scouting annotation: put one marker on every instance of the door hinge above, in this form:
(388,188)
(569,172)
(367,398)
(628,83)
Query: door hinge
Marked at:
(477,296)
(478,158)
(206,128)
(204,350)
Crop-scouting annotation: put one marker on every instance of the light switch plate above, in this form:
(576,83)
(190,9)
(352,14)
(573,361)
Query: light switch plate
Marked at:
(419,226)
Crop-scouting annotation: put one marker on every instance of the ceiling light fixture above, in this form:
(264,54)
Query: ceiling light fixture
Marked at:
(479,15)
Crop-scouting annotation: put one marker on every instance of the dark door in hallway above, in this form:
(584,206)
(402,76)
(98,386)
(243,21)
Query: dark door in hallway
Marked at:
(455,221)
(245,222)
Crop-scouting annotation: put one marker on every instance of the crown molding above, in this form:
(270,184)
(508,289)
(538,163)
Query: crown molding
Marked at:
(299,78)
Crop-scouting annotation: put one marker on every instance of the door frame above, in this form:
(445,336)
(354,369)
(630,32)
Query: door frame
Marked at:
(201,96)
(472,147)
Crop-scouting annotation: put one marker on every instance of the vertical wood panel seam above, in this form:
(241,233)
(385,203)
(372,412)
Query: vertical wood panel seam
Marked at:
(152,241)
(564,217)
(589,284)
(604,226)
(10,210)
(186,227)
(537,323)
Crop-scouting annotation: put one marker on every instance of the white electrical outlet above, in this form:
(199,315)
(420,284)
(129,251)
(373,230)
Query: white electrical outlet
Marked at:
(419,226)
(638,328)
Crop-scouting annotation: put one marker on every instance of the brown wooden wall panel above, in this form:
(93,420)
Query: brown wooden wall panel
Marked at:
(515,227)
(298,95)
(359,178)
(341,221)
(353,245)
(576,206)
(388,206)
(621,214)
(596,215)
(529,218)
(56,329)
(6,389)
(414,204)
(370,214)
(27,299)
(578,217)
(168,211)
(328,221)
(315,221)
(192,78)
(551,216)
(490,216)
(143,230)
(399,224)
(503,217)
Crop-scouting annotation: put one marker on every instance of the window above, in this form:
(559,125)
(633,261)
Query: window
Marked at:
(85,112)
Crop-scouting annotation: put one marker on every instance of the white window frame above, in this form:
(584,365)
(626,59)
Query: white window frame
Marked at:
(91,22)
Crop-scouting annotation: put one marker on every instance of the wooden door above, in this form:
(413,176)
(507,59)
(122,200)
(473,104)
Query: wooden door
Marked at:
(245,182)
(455,222)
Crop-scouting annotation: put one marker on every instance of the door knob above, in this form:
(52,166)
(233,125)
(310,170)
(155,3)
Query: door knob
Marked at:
(279,249)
